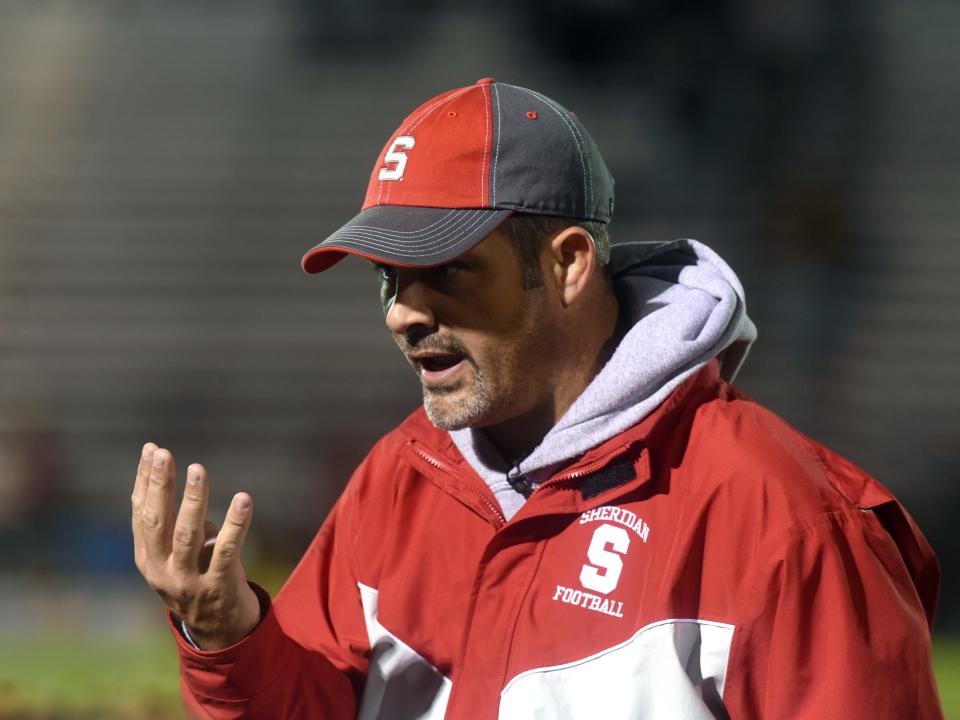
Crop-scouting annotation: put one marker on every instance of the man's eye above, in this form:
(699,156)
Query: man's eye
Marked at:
(447,269)
(387,276)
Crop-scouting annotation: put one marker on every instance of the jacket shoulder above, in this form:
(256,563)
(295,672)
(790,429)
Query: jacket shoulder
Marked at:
(744,462)
(766,463)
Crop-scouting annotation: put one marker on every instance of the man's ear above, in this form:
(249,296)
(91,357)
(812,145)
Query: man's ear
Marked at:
(572,261)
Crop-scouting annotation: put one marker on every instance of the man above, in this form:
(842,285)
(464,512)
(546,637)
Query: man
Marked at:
(584,520)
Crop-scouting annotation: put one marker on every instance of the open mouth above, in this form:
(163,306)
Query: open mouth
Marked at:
(436,367)
(438,363)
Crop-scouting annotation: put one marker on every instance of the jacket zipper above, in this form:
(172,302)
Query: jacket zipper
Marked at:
(445,469)
(564,477)
(585,470)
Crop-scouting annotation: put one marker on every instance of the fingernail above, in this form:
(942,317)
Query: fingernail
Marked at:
(148,451)
(158,459)
(193,476)
(241,502)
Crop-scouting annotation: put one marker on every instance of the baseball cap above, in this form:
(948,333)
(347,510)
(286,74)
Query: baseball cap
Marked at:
(459,165)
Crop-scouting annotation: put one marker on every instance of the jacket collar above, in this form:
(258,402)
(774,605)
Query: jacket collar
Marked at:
(613,468)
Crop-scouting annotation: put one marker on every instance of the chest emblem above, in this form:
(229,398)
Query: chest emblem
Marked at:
(600,574)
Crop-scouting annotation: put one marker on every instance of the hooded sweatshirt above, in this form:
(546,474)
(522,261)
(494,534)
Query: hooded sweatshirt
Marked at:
(708,562)
(683,306)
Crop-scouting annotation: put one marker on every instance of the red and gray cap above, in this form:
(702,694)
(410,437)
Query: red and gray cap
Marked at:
(459,165)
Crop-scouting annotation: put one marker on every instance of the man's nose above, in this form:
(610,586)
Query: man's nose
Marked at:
(410,308)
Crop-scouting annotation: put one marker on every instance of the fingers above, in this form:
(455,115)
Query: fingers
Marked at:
(139,494)
(226,552)
(188,533)
(210,531)
(143,472)
(157,516)
(190,542)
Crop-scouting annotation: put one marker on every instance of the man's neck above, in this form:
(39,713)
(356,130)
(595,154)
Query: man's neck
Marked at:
(517,437)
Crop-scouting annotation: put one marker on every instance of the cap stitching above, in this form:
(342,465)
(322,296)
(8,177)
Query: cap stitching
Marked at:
(458,212)
(450,221)
(580,143)
(403,253)
(486,142)
(421,240)
(390,252)
(422,250)
(436,244)
(426,240)
(587,193)
(419,119)
(496,150)
(426,233)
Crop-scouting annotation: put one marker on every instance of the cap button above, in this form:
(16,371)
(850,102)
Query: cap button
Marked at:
(485,81)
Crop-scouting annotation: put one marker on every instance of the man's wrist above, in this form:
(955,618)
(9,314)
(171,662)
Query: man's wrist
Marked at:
(252,610)
(185,631)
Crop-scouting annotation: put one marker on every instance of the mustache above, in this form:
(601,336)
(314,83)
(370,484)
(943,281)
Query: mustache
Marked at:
(432,343)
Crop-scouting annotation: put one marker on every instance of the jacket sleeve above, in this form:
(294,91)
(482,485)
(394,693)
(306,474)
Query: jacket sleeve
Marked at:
(307,658)
(833,625)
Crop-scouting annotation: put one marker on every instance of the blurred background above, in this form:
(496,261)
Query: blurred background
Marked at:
(163,166)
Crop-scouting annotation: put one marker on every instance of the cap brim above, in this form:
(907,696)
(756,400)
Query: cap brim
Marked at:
(403,235)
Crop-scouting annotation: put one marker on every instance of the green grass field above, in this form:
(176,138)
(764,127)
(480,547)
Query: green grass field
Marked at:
(85,677)
(946,663)
(136,678)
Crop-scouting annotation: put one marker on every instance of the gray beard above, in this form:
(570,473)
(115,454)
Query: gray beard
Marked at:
(457,416)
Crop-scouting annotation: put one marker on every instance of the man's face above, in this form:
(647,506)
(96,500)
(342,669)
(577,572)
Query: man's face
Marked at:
(478,341)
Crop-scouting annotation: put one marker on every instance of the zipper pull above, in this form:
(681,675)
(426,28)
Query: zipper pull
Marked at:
(518,481)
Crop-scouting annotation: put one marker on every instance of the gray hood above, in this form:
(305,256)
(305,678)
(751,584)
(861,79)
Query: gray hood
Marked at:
(685,307)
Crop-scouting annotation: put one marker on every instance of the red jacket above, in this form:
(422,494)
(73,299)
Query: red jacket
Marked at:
(709,562)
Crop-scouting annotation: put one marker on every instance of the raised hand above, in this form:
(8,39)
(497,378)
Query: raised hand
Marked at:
(195,570)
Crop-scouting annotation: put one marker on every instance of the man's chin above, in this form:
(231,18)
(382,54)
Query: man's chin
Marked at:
(448,424)
(451,411)
(441,390)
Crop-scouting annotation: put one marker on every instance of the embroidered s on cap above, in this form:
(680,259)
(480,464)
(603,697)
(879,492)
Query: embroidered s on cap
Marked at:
(459,165)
